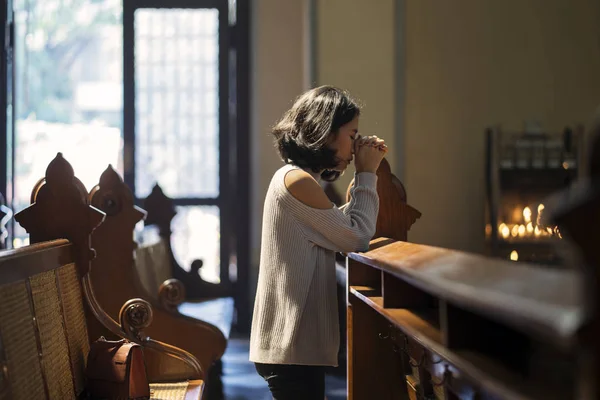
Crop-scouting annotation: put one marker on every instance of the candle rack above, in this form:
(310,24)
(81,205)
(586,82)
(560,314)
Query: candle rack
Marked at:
(522,170)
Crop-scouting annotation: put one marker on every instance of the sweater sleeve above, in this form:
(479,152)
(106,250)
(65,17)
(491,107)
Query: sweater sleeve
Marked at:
(335,229)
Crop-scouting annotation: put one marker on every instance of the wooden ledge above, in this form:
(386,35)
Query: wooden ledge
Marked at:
(535,300)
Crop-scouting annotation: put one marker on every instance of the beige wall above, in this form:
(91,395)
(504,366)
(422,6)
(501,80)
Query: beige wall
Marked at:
(471,63)
(277,77)
(468,64)
(355,51)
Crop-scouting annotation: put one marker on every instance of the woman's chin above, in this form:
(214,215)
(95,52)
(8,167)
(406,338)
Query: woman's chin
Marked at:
(343,166)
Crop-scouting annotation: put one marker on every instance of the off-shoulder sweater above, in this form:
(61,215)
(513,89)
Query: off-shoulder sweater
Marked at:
(295,318)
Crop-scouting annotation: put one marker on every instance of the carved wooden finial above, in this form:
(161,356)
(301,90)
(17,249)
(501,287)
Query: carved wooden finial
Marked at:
(5,216)
(395,216)
(114,198)
(160,211)
(59,210)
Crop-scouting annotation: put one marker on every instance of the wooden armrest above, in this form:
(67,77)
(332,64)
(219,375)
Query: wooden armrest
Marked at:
(135,316)
(191,390)
(171,294)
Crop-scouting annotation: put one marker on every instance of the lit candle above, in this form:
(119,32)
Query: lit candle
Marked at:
(514,256)
(515,230)
(529,228)
(521,230)
(504,231)
(527,214)
(538,220)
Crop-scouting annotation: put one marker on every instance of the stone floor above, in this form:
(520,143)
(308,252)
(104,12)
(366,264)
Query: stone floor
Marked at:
(241,382)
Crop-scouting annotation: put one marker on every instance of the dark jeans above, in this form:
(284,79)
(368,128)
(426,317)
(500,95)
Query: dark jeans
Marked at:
(294,382)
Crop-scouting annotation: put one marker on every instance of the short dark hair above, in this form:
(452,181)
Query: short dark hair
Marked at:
(304,132)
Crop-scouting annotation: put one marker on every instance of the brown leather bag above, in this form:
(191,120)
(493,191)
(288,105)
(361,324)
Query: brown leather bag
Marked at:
(116,370)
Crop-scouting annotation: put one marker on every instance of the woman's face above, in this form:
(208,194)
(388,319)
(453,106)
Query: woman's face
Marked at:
(343,144)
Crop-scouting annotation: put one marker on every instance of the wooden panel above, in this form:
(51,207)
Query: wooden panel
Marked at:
(359,274)
(479,369)
(375,362)
(397,293)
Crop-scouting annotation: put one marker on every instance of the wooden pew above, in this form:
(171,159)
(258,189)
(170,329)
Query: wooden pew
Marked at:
(47,301)
(428,322)
(203,300)
(5,216)
(117,276)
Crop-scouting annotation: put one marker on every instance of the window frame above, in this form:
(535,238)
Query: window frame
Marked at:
(129,114)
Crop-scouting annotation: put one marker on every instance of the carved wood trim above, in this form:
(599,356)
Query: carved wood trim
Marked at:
(396,216)
(59,209)
(135,316)
(171,293)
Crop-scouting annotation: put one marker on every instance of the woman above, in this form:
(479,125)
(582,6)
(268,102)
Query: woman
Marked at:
(295,326)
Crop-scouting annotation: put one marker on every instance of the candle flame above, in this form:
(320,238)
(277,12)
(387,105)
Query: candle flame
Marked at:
(515,230)
(527,214)
(504,231)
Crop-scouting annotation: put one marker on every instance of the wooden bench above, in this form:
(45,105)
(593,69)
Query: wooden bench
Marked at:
(203,300)
(47,302)
(123,270)
(428,322)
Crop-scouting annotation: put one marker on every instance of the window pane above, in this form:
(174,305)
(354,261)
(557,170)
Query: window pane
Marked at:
(68,90)
(196,236)
(177,91)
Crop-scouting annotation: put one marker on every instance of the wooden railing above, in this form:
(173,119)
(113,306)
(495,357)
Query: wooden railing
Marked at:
(432,323)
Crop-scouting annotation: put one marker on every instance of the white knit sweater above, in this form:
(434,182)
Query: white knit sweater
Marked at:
(295,317)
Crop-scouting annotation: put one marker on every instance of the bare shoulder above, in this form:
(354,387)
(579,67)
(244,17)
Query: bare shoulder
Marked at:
(305,189)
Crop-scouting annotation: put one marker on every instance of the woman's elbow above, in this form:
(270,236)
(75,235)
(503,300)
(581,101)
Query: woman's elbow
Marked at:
(358,243)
